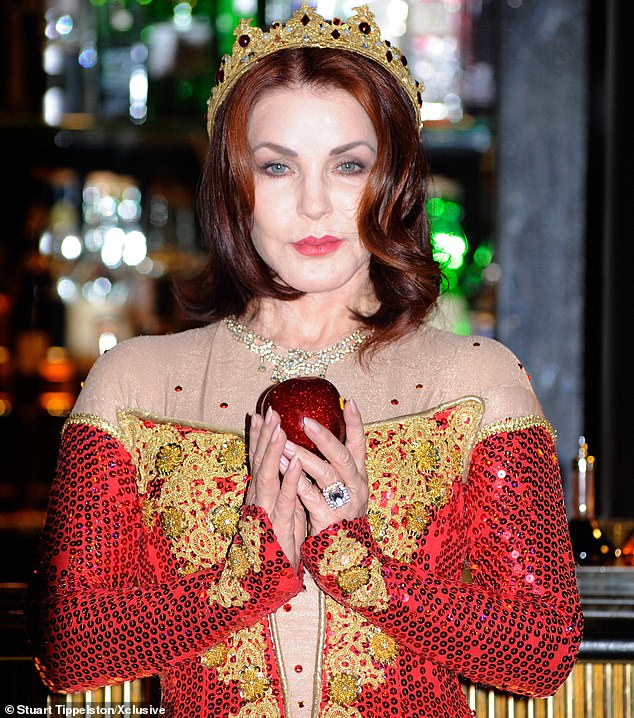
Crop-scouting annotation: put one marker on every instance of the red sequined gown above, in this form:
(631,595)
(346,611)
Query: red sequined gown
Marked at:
(150,564)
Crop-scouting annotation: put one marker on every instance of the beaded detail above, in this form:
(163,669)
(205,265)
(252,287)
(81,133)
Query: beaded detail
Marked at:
(294,362)
(399,626)
(193,480)
(306,28)
(412,463)
(520,590)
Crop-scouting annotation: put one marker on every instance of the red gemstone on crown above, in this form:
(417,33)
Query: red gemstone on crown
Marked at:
(365,28)
(244,40)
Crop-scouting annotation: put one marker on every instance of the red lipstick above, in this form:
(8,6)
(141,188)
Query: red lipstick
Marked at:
(317,246)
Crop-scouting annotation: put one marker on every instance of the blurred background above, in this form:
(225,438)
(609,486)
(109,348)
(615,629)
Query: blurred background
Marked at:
(102,130)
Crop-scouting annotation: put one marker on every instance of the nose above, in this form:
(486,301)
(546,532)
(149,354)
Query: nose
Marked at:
(314,197)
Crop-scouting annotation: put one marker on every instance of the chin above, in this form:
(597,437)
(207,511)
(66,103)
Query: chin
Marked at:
(328,279)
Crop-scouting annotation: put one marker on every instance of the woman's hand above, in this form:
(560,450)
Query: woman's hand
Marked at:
(344,469)
(279,499)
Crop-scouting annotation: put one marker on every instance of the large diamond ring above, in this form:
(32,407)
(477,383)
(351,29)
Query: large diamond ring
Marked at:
(336,495)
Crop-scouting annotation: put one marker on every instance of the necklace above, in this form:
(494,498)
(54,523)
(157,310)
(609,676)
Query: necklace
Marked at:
(289,363)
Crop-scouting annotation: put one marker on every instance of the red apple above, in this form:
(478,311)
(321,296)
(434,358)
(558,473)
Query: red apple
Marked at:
(307,396)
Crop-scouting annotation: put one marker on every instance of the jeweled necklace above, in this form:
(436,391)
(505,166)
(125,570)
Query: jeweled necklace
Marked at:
(289,363)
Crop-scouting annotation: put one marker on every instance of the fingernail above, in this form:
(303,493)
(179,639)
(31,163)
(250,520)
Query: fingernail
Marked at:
(284,463)
(269,414)
(353,405)
(276,433)
(312,424)
(290,448)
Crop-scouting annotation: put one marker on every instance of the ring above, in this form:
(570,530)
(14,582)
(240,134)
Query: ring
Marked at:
(336,495)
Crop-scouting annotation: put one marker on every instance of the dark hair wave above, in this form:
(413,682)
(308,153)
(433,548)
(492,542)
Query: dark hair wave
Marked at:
(392,218)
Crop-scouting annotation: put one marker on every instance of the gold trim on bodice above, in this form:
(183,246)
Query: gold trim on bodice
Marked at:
(191,479)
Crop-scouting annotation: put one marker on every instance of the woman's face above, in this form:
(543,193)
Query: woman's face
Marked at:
(312,154)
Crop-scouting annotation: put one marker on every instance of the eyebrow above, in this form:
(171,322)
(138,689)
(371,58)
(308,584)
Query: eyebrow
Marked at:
(280,149)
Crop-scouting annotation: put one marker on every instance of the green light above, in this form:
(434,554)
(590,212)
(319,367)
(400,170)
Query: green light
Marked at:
(444,208)
(483,256)
(435,206)
(449,249)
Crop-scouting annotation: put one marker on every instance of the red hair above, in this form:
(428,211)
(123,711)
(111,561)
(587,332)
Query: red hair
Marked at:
(392,219)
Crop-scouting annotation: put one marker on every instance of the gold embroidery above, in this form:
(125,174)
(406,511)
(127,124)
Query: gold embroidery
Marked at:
(343,688)
(225,520)
(337,711)
(426,455)
(197,495)
(413,463)
(251,533)
(168,458)
(265,708)
(148,512)
(215,656)
(238,561)
(343,559)
(349,638)
(245,667)
(373,593)
(383,648)
(187,569)
(232,455)
(173,522)
(342,553)
(350,579)
(253,683)
(416,517)
(378,524)
(229,590)
(247,648)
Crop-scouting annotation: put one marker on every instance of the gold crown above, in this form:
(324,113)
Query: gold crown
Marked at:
(306,28)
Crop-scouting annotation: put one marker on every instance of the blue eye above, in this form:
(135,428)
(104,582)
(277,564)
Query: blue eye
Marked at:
(350,167)
(275,168)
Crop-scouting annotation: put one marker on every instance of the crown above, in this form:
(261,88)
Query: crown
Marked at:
(306,28)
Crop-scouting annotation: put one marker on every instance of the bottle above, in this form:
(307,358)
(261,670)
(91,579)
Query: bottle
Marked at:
(121,59)
(180,37)
(589,542)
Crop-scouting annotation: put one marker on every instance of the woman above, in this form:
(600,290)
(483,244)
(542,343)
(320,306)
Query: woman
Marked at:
(232,568)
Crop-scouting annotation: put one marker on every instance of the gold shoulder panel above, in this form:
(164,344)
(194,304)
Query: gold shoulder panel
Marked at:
(413,464)
(191,480)
(472,405)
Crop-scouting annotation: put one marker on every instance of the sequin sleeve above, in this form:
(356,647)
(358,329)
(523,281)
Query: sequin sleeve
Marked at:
(108,603)
(517,625)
